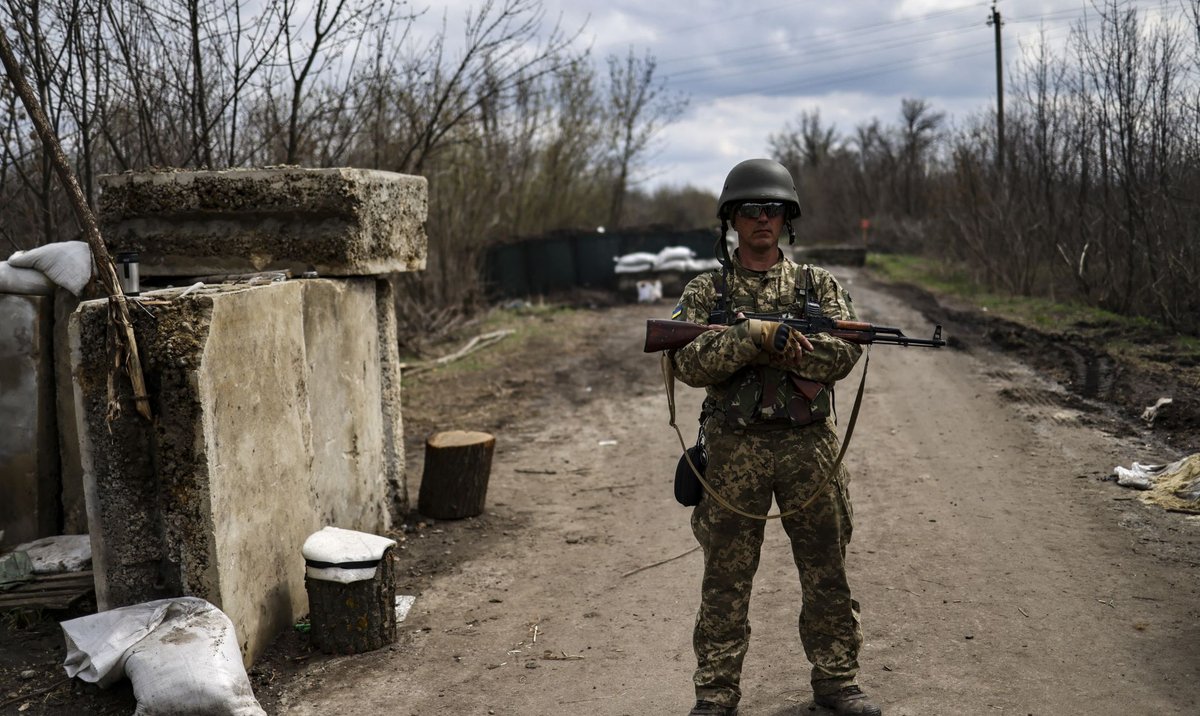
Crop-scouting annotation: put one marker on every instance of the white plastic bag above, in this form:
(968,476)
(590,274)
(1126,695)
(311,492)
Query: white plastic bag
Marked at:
(649,291)
(180,654)
(66,263)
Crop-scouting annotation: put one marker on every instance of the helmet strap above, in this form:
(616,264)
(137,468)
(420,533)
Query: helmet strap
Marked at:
(723,246)
(791,232)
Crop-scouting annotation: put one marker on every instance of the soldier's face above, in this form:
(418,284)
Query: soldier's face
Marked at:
(758,234)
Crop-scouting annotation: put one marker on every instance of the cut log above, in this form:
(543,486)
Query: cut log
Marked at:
(355,617)
(455,478)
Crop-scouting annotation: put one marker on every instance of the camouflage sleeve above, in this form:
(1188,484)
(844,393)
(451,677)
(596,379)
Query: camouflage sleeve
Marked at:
(714,356)
(832,358)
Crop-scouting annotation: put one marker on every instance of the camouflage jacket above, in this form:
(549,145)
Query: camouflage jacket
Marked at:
(731,367)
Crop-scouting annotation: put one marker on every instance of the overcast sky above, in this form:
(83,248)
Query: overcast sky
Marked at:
(750,66)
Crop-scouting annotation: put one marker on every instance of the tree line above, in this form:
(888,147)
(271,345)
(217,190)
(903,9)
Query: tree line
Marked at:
(1096,197)
(516,127)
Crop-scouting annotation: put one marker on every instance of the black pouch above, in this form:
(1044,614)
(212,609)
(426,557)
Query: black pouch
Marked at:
(688,489)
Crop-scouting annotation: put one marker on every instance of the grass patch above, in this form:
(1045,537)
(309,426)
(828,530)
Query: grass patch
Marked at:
(1043,314)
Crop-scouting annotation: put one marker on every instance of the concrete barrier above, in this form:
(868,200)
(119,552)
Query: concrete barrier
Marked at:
(342,222)
(269,424)
(276,407)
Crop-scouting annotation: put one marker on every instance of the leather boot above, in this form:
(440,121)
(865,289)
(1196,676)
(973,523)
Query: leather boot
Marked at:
(849,701)
(708,708)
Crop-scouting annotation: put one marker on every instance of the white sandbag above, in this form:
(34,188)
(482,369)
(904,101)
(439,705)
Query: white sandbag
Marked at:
(60,553)
(633,268)
(701,265)
(672,265)
(637,257)
(66,263)
(672,253)
(22,280)
(180,654)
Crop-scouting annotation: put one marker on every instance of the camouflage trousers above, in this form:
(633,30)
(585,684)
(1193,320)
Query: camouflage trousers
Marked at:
(747,468)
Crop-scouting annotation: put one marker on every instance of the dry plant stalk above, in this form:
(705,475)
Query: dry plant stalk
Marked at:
(122,341)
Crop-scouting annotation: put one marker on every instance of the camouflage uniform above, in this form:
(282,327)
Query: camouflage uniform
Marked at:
(748,463)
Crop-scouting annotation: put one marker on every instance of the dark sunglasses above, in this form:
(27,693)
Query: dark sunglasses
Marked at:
(752,211)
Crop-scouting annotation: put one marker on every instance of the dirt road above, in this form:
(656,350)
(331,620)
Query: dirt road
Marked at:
(997,572)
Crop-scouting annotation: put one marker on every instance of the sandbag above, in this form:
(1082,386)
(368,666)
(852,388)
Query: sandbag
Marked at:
(66,263)
(673,253)
(180,654)
(24,281)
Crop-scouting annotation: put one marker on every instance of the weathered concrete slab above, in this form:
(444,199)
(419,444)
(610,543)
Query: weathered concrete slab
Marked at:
(74,508)
(28,442)
(268,426)
(342,222)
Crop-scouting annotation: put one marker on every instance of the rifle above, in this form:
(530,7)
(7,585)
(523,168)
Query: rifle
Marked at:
(662,334)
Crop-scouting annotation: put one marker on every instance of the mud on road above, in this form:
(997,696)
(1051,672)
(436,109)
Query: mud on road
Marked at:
(998,570)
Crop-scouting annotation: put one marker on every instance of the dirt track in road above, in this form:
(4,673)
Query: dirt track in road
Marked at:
(997,572)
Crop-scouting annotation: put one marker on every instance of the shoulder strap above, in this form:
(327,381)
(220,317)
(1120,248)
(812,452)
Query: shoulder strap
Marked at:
(720,283)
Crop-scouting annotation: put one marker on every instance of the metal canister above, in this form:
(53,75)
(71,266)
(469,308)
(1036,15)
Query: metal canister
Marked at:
(127,273)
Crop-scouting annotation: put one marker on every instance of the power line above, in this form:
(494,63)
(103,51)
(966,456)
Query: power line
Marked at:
(792,60)
(840,34)
(875,70)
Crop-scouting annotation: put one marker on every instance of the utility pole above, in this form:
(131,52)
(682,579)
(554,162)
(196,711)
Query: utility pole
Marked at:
(994,21)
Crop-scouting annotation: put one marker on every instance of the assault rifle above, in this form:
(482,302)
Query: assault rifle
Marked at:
(662,335)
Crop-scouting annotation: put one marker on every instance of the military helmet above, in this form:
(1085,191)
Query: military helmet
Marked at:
(758,180)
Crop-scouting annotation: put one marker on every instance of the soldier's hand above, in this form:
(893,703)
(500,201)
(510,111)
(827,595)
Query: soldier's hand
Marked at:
(779,339)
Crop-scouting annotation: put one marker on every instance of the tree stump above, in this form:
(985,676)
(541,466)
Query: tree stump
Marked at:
(355,617)
(351,582)
(454,482)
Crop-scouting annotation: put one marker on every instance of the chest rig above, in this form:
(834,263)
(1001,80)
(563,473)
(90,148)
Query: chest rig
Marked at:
(761,396)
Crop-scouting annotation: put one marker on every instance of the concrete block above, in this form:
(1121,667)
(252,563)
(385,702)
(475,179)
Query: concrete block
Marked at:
(74,509)
(342,222)
(268,426)
(29,507)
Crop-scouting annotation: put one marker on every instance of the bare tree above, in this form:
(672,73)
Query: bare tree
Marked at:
(640,106)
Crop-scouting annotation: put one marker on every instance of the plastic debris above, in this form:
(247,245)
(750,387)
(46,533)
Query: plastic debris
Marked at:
(60,553)
(1150,413)
(1174,486)
(404,603)
(649,291)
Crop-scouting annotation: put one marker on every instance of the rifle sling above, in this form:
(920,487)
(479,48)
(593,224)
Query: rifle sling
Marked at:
(668,370)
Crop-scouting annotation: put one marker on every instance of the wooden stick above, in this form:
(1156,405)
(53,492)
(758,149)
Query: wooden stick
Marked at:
(120,328)
(39,692)
(659,563)
(472,345)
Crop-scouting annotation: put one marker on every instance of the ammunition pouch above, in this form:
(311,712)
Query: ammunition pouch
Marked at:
(762,396)
(688,489)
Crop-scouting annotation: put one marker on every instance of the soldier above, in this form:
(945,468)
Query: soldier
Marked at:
(767,431)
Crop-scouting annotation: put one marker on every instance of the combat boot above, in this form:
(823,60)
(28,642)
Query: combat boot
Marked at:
(848,701)
(708,708)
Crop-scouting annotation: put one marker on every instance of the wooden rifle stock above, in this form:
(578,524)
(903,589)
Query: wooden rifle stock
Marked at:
(665,335)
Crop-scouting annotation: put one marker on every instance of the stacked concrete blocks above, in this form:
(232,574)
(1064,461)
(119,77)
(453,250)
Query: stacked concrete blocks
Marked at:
(277,410)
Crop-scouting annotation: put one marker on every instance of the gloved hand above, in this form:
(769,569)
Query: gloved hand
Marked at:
(779,339)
